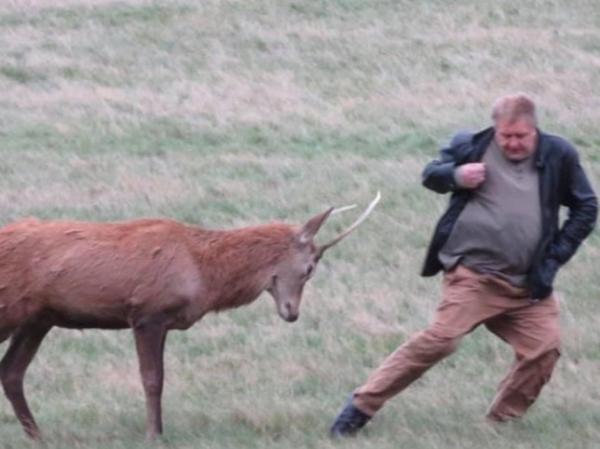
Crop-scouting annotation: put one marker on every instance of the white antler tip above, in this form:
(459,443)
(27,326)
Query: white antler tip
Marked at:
(354,225)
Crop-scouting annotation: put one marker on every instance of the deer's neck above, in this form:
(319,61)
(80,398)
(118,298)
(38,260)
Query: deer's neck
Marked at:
(237,266)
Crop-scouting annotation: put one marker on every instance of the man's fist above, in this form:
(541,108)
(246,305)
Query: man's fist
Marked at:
(470,176)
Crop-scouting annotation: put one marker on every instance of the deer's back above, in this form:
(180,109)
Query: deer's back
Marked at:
(96,274)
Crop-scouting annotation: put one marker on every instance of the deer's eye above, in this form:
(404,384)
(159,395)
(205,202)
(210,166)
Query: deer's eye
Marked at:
(309,270)
(273,284)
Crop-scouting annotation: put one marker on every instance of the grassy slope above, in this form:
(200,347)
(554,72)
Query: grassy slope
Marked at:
(227,113)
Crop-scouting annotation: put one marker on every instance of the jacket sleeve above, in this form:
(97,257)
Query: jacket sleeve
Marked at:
(438,175)
(579,197)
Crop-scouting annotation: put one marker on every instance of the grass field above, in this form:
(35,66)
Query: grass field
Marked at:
(231,113)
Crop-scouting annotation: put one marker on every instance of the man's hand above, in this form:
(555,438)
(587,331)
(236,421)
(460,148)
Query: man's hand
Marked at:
(470,176)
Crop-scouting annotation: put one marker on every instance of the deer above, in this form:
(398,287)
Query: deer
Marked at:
(148,275)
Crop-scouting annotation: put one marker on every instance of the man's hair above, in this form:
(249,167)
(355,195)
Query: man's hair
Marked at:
(513,107)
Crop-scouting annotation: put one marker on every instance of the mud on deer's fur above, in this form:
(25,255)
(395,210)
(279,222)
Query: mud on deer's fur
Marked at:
(148,275)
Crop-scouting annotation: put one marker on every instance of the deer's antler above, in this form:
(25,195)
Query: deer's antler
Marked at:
(354,225)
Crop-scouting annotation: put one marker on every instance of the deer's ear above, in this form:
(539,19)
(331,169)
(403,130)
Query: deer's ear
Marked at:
(312,226)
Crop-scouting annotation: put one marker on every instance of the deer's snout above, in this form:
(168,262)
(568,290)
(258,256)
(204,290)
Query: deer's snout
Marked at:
(291,318)
(288,312)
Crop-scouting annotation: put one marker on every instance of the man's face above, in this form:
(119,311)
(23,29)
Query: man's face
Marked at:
(517,138)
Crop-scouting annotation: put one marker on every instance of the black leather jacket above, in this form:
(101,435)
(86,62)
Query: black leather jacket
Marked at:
(562,183)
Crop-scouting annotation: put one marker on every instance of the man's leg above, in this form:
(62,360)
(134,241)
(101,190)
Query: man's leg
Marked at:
(404,366)
(461,310)
(533,332)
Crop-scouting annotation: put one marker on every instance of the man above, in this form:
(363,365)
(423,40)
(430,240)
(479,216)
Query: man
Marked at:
(500,246)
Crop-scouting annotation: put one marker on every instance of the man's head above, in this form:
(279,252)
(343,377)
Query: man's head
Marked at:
(515,126)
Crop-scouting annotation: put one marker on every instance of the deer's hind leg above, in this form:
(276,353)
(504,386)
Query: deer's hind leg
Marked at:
(24,344)
(14,313)
(7,327)
(5,333)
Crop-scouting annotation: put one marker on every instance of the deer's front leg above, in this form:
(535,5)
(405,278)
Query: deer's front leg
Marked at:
(23,346)
(150,344)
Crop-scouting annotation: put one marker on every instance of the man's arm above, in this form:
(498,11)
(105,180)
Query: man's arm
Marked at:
(579,197)
(582,203)
(438,175)
(443,175)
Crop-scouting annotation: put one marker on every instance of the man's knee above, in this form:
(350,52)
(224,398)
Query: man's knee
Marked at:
(548,361)
(548,351)
(433,344)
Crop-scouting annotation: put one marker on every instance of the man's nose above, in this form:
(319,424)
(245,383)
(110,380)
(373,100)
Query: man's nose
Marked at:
(514,142)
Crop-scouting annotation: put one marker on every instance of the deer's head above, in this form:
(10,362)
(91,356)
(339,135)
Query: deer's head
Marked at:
(298,266)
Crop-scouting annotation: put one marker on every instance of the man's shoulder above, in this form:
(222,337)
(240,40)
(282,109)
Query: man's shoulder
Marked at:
(558,146)
(556,140)
(461,137)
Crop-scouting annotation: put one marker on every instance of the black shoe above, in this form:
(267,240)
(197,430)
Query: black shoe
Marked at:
(348,422)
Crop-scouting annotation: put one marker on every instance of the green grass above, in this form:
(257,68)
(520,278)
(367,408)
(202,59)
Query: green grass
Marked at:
(231,113)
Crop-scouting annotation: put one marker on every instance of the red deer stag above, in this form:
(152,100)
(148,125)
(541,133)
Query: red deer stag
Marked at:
(148,275)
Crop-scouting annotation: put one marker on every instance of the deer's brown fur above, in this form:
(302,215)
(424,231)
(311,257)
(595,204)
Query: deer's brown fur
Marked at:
(148,275)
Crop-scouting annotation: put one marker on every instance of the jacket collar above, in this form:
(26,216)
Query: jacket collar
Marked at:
(542,149)
(480,142)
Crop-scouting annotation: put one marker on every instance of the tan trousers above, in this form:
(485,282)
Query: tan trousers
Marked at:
(470,299)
